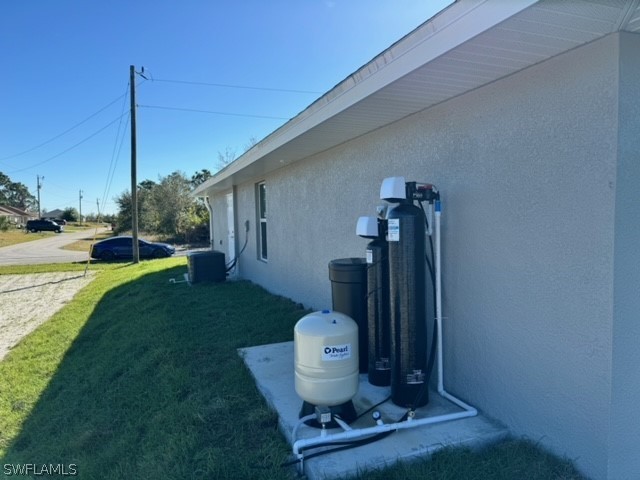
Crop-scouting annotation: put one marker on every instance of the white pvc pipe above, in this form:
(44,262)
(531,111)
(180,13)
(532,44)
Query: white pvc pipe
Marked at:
(210,210)
(430,226)
(438,267)
(344,425)
(385,427)
(300,422)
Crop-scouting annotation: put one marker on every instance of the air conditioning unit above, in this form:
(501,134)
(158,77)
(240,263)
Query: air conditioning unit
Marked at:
(207,266)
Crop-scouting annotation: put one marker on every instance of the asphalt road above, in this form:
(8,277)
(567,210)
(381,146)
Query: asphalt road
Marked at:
(46,250)
(49,250)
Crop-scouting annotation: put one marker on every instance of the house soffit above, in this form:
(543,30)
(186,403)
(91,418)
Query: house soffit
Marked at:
(533,33)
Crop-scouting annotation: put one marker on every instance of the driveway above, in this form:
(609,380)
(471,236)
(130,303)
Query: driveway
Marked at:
(46,250)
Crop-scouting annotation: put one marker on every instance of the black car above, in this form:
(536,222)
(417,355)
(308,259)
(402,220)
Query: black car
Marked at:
(122,247)
(43,226)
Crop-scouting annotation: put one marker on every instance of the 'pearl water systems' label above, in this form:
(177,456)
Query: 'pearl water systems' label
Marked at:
(331,353)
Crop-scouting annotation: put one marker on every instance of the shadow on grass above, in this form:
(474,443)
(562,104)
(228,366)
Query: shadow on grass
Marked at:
(152,386)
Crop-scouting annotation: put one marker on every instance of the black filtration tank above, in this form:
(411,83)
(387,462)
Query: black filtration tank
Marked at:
(407,287)
(378,308)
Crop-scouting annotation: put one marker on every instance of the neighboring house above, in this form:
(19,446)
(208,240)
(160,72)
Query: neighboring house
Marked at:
(15,215)
(53,214)
(526,115)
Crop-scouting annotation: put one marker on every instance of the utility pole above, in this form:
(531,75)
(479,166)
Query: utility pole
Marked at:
(80,199)
(39,187)
(134,168)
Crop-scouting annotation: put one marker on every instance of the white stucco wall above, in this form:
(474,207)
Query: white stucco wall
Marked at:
(624,446)
(219,221)
(528,170)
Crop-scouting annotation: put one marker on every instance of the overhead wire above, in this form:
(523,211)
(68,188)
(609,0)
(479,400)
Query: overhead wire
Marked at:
(63,133)
(119,141)
(71,147)
(112,170)
(120,133)
(161,107)
(117,146)
(186,82)
(244,87)
(224,85)
(115,155)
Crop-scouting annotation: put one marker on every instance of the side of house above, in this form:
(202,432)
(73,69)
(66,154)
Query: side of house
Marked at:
(538,172)
(15,215)
(624,454)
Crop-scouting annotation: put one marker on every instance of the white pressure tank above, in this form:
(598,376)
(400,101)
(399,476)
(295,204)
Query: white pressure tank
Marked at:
(325,345)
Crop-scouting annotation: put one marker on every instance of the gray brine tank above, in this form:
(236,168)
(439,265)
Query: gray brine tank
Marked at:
(349,296)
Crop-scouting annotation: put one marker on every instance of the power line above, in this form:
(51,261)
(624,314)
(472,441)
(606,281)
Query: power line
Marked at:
(245,87)
(212,112)
(115,156)
(112,171)
(63,133)
(70,148)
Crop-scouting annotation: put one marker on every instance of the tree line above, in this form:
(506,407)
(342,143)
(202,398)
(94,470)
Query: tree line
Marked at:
(16,194)
(166,208)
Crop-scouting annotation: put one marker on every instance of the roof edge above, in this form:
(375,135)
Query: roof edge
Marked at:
(454,25)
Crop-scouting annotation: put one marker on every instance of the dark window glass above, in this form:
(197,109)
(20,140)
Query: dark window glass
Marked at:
(263,240)
(263,201)
(262,214)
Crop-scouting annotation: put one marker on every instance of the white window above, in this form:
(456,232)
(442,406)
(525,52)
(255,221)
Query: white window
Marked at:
(262,218)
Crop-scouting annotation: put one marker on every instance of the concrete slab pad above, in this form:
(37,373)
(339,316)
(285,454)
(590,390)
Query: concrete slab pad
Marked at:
(272,368)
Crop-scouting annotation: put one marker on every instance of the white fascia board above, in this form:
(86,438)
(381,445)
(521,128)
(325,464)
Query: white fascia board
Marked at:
(201,190)
(458,23)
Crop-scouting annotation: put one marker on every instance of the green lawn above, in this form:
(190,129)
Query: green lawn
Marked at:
(140,378)
(84,244)
(15,235)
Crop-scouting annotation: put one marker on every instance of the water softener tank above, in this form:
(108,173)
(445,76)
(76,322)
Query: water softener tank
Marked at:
(378,309)
(379,370)
(407,286)
(325,346)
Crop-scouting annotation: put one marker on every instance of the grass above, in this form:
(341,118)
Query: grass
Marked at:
(140,378)
(514,459)
(84,244)
(59,267)
(17,235)
(14,236)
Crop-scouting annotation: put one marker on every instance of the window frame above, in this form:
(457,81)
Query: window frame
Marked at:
(261,213)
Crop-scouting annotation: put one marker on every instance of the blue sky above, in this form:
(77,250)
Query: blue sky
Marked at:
(63,61)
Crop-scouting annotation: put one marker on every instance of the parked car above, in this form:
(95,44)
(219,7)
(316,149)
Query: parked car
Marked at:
(122,247)
(43,226)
